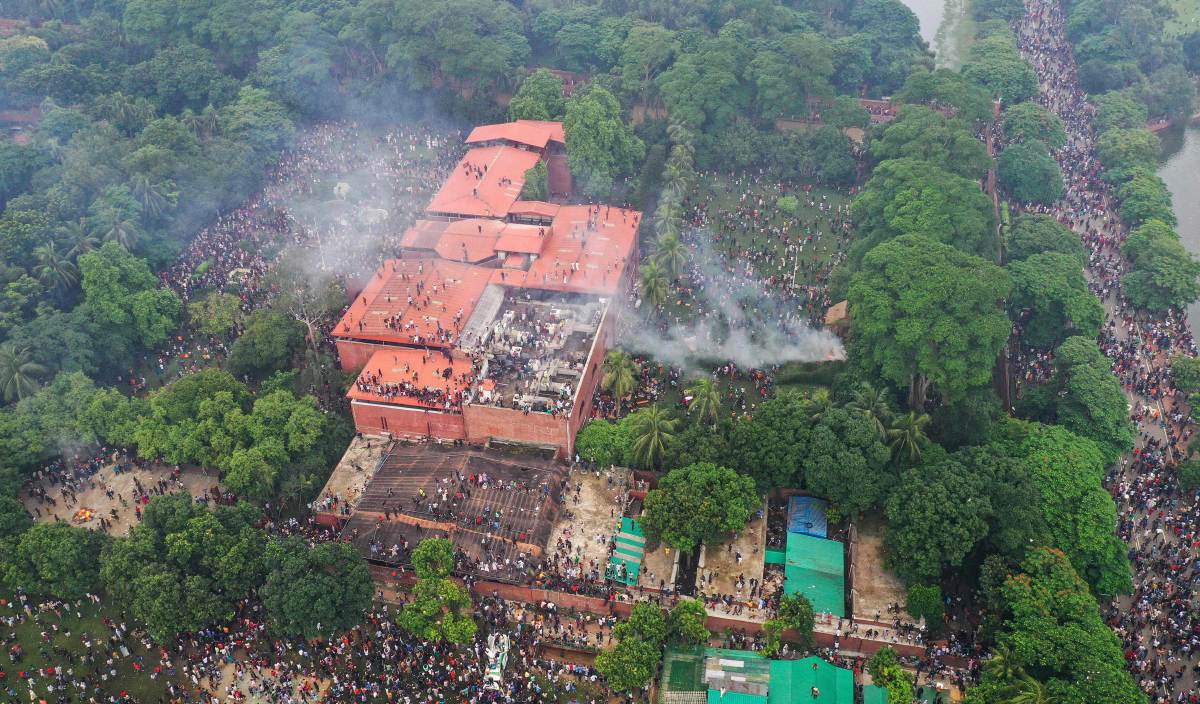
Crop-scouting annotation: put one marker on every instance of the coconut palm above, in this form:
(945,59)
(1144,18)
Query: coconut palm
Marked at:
(79,233)
(907,435)
(817,403)
(671,254)
(651,430)
(156,198)
(668,215)
(202,124)
(706,401)
(55,269)
(619,374)
(1025,689)
(1003,663)
(874,404)
(123,231)
(655,287)
(680,133)
(18,373)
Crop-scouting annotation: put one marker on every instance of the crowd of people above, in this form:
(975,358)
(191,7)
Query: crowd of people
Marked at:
(1157,518)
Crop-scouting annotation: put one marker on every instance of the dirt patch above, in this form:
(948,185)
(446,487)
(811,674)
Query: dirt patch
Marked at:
(93,495)
(875,588)
(596,503)
(353,472)
(723,568)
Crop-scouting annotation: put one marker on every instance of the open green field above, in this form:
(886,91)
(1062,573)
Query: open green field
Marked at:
(1187,17)
(66,631)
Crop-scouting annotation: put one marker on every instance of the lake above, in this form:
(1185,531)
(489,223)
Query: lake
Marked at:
(1180,169)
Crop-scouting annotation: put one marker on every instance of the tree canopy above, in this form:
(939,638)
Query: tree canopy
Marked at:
(925,314)
(699,504)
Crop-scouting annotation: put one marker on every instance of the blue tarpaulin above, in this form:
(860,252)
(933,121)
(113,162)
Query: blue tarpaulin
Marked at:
(806,515)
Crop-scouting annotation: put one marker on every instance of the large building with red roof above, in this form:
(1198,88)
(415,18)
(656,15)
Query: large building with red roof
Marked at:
(491,325)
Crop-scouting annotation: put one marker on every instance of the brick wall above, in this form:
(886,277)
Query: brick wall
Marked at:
(353,354)
(487,422)
(369,418)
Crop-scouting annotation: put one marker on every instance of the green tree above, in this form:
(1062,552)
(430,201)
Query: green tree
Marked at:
(537,183)
(603,442)
(216,314)
(1162,273)
(651,431)
(846,461)
(770,446)
(706,401)
(14,519)
(1035,233)
(795,613)
(439,610)
(1117,109)
(906,436)
(886,672)
(655,289)
(648,50)
(686,623)
(936,516)
(944,87)
(671,254)
(18,373)
(601,149)
(1121,151)
(790,73)
(1085,397)
(1185,373)
(1030,122)
(926,135)
(540,97)
(700,504)
(925,602)
(1029,173)
(267,344)
(1052,623)
(315,591)
(433,558)
(924,313)
(875,404)
(1068,471)
(997,65)
(1145,197)
(620,374)
(630,665)
(53,559)
(120,291)
(1051,298)
(908,196)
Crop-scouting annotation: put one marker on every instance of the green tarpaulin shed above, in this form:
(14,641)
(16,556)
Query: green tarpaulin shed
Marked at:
(874,695)
(715,697)
(630,549)
(792,682)
(816,568)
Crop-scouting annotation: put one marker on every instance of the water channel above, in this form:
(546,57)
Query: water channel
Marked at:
(1180,169)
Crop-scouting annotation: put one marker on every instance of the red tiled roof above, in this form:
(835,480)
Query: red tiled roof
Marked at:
(424,371)
(533,133)
(443,295)
(534,207)
(485,183)
(599,239)
(524,239)
(424,234)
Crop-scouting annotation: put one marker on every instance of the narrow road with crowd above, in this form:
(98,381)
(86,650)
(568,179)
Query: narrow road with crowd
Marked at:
(1155,516)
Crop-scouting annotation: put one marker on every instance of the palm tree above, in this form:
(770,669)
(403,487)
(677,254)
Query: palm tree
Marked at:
(680,133)
(79,234)
(655,288)
(671,254)
(1003,663)
(155,198)
(18,373)
(817,403)
(54,268)
(667,216)
(651,430)
(1025,689)
(907,435)
(706,401)
(874,404)
(202,124)
(123,231)
(620,374)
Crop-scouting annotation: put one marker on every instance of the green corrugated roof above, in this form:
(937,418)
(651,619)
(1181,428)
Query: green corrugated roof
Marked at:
(792,682)
(714,697)
(874,695)
(816,568)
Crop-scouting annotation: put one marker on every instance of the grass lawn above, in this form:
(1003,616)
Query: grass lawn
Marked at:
(1187,19)
(69,639)
(742,244)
